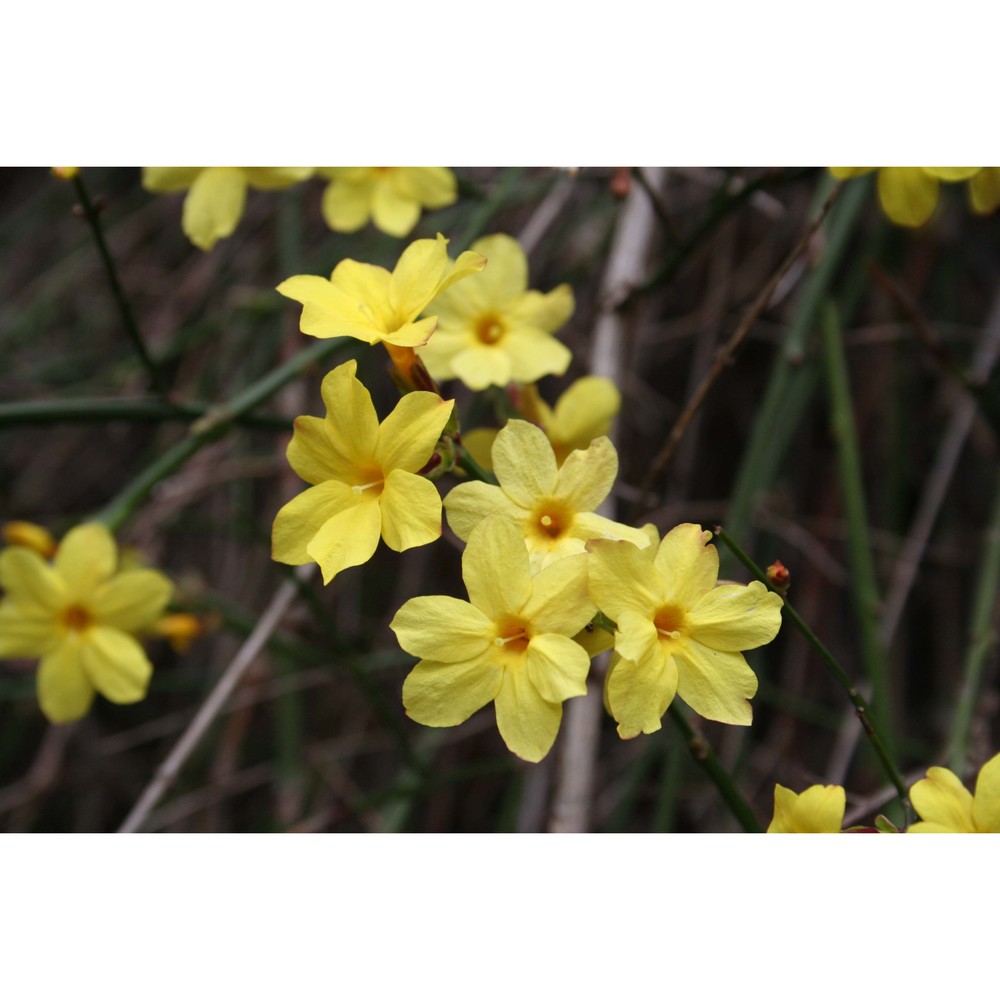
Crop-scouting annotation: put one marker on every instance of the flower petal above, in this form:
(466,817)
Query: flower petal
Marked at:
(411,511)
(624,578)
(557,667)
(534,354)
(688,564)
(311,453)
(31,581)
(328,311)
(479,366)
(442,629)
(469,503)
(548,311)
(131,600)
(638,640)
(115,664)
(417,276)
(819,809)
(984,191)
(165,179)
(352,423)
(560,599)
(409,435)
(346,539)
(733,617)
(298,522)
(524,463)
(586,477)
(393,211)
(908,195)
(986,805)
(587,526)
(433,187)
(26,630)
(64,690)
(584,411)
(87,556)
(346,207)
(214,205)
(717,685)
(527,722)
(952,173)
(365,288)
(446,694)
(495,569)
(943,803)
(276,178)
(505,278)
(639,695)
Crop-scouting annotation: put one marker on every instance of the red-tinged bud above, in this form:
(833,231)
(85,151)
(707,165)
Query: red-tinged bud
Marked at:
(621,181)
(779,576)
(30,536)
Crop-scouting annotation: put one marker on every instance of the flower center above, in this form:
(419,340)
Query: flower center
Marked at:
(552,519)
(670,621)
(373,482)
(76,618)
(489,329)
(513,635)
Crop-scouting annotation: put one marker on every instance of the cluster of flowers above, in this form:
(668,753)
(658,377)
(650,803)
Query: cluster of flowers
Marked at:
(943,803)
(909,195)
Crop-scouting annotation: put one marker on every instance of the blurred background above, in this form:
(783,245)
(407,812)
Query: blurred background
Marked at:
(877,493)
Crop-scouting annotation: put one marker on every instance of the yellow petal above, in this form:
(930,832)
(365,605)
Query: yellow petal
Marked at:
(444,629)
(845,173)
(586,477)
(446,694)
(952,173)
(32,536)
(984,190)
(409,435)
(411,511)
(715,684)
(588,525)
(275,178)
(363,290)
(524,463)
(547,312)
(352,423)
(504,279)
(346,539)
(527,722)
(943,802)
(479,366)
(30,581)
(346,206)
(26,630)
(393,211)
(433,187)
(986,805)
(479,444)
(165,179)
(86,558)
(583,412)
(468,262)
(299,521)
(819,809)
(495,569)
(688,564)
(560,599)
(534,354)
(417,276)
(557,667)
(214,205)
(638,640)
(469,503)
(623,578)
(908,195)
(733,617)
(64,691)
(115,665)
(638,696)
(312,455)
(131,600)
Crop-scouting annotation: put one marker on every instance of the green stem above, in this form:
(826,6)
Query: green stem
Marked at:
(128,320)
(864,585)
(861,705)
(472,468)
(705,758)
(982,638)
(211,427)
(149,410)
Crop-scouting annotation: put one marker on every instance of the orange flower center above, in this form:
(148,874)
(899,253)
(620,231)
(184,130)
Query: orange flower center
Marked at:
(552,518)
(489,329)
(371,482)
(669,621)
(513,634)
(76,618)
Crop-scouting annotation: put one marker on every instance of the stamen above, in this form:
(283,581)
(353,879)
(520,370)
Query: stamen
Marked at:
(546,520)
(669,635)
(358,490)
(517,636)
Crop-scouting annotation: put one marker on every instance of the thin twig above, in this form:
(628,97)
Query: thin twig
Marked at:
(725,354)
(121,300)
(167,772)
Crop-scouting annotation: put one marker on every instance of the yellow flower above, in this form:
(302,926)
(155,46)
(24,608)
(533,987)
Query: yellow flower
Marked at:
(32,536)
(214,205)
(677,631)
(945,805)
(79,615)
(582,413)
(908,195)
(550,507)
(819,809)
(510,643)
(492,330)
(364,476)
(371,304)
(390,196)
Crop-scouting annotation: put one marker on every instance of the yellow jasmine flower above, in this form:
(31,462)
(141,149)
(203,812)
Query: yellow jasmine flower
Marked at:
(908,195)
(581,414)
(214,204)
(510,643)
(946,806)
(364,477)
(391,197)
(677,631)
(551,507)
(371,304)
(819,809)
(492,330)
(79,615)
(33,536)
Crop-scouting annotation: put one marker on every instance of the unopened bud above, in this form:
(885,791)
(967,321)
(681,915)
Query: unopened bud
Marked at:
(65,173)
(779,576)
(30,536)
(180,630)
